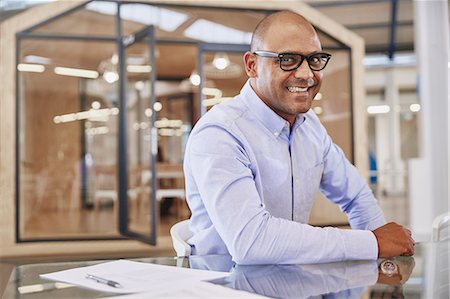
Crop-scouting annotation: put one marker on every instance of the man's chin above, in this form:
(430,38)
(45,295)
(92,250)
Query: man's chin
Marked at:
(303,107)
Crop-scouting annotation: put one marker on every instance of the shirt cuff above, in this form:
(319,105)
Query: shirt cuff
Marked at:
(360,245)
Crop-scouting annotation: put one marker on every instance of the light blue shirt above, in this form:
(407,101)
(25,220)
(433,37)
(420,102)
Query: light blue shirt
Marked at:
(251,182)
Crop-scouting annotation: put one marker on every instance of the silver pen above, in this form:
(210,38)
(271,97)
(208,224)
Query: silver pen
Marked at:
(111,283)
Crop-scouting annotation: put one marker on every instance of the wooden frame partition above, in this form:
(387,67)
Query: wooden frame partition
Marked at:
(9,248)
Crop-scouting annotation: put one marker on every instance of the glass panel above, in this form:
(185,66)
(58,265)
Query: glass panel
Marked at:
(139,91)
(333,104)
(68,138)
(177,104)
(224,76)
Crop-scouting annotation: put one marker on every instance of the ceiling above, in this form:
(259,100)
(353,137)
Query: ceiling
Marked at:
(387,26)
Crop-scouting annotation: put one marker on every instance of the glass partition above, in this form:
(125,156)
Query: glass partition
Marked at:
(68,140)
(222,72)
(72,123)
(333,104)
(137,209)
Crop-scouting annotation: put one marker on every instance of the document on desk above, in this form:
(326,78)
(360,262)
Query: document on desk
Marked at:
(124,276)
(199,289)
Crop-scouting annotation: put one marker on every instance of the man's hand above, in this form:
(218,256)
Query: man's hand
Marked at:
(393,240)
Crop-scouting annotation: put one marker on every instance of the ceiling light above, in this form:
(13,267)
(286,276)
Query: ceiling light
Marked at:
(32,68)
(139,68)
(414,107)
(157,106)
(221,60)
(108,68)
(209,91)
(318,96)
(95,105)
(139,85)
(110,76)
(195,78)
(215,101)
(91,114)
(82,73)
(318,110)
(378,109)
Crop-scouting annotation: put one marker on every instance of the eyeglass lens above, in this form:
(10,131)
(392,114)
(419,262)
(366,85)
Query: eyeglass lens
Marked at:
(292,61)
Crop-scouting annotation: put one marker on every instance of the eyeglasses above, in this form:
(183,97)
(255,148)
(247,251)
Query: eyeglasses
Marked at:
(290,61)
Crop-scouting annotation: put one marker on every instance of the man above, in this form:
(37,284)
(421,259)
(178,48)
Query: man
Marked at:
(253,165)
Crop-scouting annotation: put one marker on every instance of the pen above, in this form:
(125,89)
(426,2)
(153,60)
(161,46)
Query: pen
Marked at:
(111,283)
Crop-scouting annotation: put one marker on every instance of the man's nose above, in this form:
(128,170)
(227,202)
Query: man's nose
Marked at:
(303,71)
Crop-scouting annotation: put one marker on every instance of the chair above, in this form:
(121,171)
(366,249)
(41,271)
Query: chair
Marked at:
(439,224)
(180,234)
(105,184)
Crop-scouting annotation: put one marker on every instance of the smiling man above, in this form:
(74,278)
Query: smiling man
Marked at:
(253,165)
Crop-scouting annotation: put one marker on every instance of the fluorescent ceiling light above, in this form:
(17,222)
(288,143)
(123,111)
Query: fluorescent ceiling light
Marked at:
(215,101)
(97,130)
(139,68)
(408,59)
(32,68)
(67,71)
(168,123)
(378,109)
(209,91)
(212,32)
(91,114)
(165,19)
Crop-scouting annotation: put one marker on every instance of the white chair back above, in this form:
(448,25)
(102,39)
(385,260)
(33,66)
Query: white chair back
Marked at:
(180,234)
(441,227)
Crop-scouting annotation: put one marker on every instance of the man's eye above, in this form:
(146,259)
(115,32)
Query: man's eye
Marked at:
(314,59)
(287,59)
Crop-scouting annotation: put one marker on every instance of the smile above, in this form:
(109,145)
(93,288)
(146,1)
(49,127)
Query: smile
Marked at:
(297,89)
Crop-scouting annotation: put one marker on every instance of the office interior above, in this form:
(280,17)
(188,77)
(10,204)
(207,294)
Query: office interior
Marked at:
(97,107)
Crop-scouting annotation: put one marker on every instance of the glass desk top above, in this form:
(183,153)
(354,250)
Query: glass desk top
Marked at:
(426,275)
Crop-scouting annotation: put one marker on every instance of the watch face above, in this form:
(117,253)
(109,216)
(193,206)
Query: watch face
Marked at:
(389,268)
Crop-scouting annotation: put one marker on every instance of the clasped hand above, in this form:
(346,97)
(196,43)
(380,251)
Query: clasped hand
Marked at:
(394,240)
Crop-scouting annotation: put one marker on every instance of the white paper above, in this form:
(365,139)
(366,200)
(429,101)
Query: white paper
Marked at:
(196,290)
(134,277)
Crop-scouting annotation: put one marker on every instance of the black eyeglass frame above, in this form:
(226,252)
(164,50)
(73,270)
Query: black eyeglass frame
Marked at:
(302,58)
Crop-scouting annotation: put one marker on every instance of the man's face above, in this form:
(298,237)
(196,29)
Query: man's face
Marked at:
(288,93)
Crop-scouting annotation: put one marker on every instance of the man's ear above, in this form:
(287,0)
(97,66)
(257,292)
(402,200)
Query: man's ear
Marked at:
(250,64)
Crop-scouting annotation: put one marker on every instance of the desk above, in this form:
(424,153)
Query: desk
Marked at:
(429,277)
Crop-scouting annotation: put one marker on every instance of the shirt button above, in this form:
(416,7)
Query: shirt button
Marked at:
(276,134)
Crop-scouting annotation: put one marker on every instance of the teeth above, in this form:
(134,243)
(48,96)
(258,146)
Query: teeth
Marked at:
(297,89)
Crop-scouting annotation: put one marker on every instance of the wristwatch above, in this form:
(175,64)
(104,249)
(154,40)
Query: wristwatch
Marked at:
(389,267)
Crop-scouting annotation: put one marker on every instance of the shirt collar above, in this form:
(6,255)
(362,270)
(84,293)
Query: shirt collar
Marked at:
(272,121)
